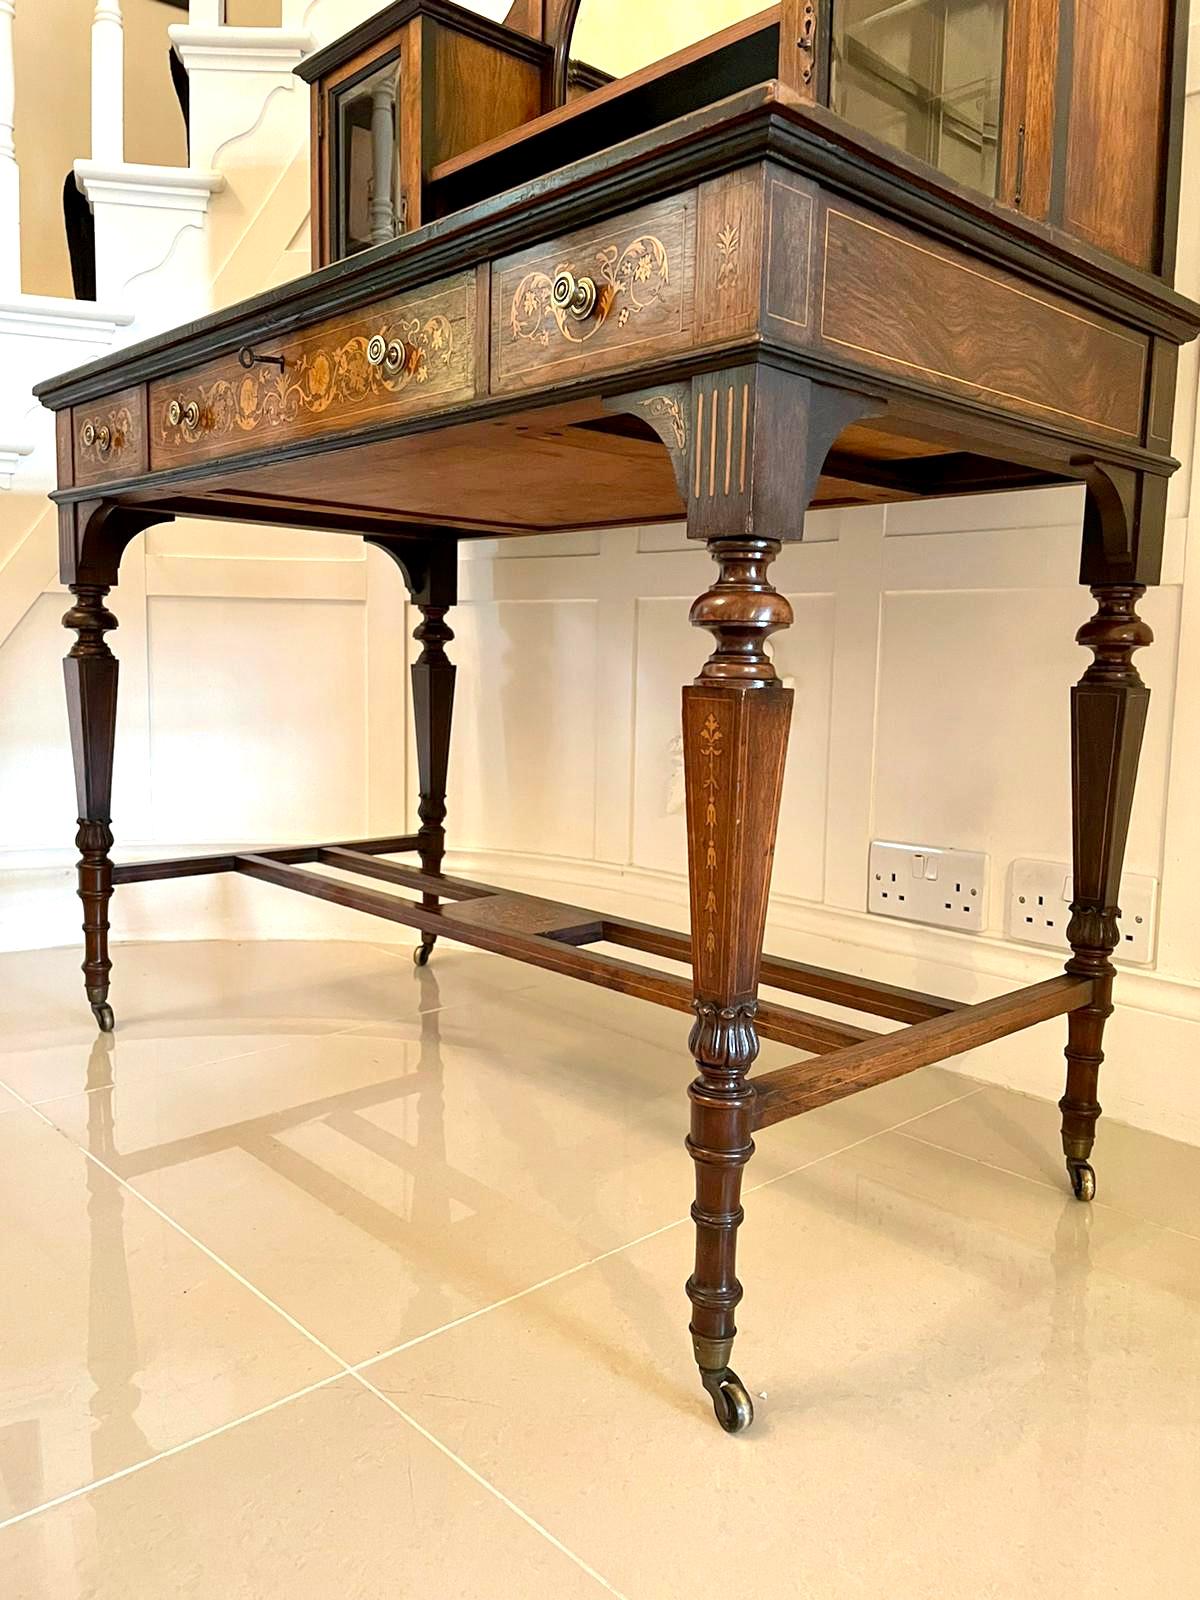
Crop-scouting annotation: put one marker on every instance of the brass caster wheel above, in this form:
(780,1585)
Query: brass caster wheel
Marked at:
(422,954)
(1083,1180)
(103,1014)
(731,1402)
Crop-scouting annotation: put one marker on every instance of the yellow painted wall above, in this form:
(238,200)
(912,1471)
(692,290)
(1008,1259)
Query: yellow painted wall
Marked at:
(53,72)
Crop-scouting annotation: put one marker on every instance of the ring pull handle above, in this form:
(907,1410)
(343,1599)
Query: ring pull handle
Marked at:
(390,354)
(575,296)
(181,414)
(101,437)
(249,358)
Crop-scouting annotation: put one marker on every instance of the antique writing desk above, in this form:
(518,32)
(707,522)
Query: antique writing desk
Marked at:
(552,299)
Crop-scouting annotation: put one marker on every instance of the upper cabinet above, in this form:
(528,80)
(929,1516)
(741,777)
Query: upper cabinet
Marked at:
(1068,112)
(418,83)
(926,76)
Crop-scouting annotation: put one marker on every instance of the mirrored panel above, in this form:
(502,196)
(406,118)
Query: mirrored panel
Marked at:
(366,161)
(924,75)
(617,37)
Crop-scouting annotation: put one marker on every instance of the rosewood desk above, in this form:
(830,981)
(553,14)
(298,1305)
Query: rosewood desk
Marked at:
(726,319)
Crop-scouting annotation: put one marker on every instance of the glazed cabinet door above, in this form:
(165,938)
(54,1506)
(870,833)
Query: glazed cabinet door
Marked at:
(926,76)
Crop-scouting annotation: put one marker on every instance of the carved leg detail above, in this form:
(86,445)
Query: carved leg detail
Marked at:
(1108,717)
(90,672)
(433,677)
(736,718)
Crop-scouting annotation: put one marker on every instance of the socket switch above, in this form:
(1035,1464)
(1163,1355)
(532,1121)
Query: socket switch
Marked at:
(922,883)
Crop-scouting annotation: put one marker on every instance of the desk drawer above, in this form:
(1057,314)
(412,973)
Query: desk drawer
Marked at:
(642,268)
(328,382)
(108,437)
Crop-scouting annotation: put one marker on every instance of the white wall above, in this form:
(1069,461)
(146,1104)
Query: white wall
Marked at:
(263,698)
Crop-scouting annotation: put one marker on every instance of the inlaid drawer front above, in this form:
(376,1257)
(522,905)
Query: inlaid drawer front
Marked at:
(603,297)
(974,330)
(411,354)
(109,437)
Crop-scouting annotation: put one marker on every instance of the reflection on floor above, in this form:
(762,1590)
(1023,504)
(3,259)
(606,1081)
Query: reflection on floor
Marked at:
(330,1279)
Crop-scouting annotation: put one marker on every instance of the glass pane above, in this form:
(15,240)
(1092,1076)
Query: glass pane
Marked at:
(620,36)
(367,162)
(924,75)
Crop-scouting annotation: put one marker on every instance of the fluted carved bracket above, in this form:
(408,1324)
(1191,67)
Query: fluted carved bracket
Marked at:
(1124,521)
(93,536)
(760,438)
(667,410)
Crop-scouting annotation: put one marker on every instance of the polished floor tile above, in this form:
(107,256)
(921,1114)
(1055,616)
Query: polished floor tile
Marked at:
(118,1337)
(1142,1173)
(332,1497)
(472,1178)
(974,1386)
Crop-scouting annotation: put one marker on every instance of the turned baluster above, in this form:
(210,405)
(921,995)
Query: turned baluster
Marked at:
(1108,716)
(736,719)
(90,671)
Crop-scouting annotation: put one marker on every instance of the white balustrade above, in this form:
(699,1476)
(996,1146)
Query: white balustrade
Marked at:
(10,177)
(108,83)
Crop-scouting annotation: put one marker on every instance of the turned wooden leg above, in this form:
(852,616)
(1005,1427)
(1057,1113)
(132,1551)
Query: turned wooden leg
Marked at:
(736,718)
(90,670)
(428,562)
(433,677)
(1108,719)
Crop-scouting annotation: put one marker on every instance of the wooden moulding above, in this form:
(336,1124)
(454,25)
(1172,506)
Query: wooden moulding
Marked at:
(794,1090)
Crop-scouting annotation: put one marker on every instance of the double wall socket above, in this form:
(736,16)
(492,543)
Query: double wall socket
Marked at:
(1039,909)
(919,883)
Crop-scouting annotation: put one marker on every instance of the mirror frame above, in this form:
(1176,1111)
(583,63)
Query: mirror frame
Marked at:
(804,21)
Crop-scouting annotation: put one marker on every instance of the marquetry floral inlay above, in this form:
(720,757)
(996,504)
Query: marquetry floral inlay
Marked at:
(628,282)
(729,249)
(665,406)
(318,381)
(710,753)
(121,428)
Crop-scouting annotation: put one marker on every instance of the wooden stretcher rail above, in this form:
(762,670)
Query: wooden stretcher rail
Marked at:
(809,1084)
(838,988)
(202,866)
(819,1035)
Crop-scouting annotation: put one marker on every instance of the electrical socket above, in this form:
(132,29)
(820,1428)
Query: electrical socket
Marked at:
(1039,909)
(921,883)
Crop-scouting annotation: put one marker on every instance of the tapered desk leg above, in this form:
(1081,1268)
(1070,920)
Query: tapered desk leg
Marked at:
(433,676)
(736,718)
(90,671)
(1108,719)
(428,562)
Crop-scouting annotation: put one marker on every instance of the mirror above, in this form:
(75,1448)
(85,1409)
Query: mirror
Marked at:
(617,37)
(924,75)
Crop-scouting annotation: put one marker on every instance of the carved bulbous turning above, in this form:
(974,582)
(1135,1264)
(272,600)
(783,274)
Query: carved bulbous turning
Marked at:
(90,619)
(741,611)
(1113,635)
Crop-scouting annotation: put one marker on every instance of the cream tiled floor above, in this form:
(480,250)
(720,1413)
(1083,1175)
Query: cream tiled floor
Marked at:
(330,1278)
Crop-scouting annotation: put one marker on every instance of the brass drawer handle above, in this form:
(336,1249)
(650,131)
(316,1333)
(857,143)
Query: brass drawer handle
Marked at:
(390,354)
(185,414)
(576,296)
(100,436)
